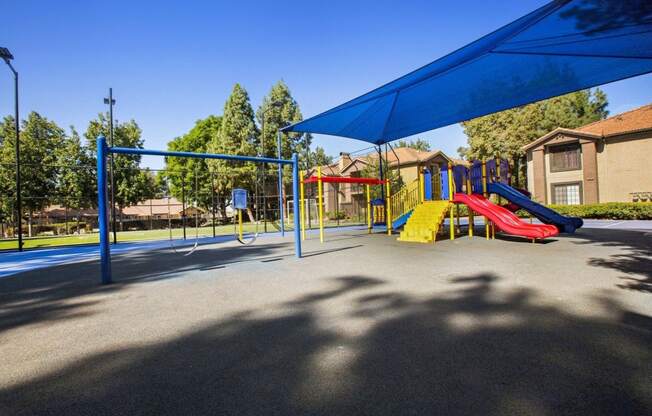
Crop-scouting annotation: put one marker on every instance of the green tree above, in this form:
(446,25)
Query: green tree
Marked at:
(504,133)
(188,172)
(76,182)
(132,185)
(318,157)
(7,175)
(40,140)
(237,135)
(372,170)
(418,144)
(280,109)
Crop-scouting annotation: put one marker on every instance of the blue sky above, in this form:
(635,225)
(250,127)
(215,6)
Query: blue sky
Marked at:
(171,63)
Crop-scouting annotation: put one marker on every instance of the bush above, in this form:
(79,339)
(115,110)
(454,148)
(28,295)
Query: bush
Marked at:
(608,210)
(336,215)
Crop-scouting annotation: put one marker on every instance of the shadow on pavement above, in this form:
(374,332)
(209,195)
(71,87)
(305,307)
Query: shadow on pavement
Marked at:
(50,294)
(636,264)
(473,350)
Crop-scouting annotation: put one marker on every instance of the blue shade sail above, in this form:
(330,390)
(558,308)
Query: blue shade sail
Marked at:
(559,48)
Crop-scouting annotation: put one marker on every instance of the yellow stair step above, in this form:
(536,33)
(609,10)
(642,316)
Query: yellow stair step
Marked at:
(423,224)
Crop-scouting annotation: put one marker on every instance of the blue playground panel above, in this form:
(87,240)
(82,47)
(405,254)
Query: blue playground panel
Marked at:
(239,197)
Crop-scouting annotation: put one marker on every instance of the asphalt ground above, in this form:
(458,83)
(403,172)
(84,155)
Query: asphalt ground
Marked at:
(363,324)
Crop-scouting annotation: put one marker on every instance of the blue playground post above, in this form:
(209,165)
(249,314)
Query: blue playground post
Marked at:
(280,184)
(102,190)
(295,206)
(427,179)
(103,212)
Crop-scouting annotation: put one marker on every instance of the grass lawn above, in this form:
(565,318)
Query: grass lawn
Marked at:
(44,242)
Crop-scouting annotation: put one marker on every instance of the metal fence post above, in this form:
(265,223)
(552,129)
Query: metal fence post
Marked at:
(183,205)
(213,201)
(280,185)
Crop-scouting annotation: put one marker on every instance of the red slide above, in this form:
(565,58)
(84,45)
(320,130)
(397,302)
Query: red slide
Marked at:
(505,220)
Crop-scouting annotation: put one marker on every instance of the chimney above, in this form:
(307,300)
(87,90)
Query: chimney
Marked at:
(345,159)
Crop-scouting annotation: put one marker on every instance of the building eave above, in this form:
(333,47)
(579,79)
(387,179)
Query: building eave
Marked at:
(557,131)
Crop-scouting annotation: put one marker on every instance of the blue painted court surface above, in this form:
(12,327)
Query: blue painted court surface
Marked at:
(15,262)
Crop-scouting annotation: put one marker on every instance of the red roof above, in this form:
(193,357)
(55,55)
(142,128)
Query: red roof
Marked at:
(633,120)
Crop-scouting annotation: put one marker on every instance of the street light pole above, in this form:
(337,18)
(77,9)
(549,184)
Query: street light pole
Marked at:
(7,57)
(110,101)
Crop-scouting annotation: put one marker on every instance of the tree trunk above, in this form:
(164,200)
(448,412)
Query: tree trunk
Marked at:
(78,221)
(29,224)
(222,209)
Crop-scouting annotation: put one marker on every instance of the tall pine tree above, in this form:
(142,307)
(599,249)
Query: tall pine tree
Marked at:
(237,135)
(280,109)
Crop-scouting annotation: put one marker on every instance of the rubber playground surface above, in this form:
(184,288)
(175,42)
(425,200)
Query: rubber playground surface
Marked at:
(363,324)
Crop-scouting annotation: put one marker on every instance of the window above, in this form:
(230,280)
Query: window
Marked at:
(567,194)
(565,157)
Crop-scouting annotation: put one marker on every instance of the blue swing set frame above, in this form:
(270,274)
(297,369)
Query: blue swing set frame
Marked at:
(102,191)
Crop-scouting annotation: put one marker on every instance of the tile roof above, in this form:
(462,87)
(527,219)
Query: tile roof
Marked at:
(630,121)
(633,120)
(406,156)
(157,207)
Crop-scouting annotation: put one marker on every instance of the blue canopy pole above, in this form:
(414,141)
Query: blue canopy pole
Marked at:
(280,184)
(295,206)
(103,212)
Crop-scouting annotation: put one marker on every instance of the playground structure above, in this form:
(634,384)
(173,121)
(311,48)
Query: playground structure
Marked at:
(103,150)
(422,217)
(320,179)
(419,209)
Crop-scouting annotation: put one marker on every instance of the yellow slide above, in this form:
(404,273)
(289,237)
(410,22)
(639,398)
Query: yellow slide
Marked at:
(423,224)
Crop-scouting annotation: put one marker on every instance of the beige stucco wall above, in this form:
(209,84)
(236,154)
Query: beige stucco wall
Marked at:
(409,173)
(625,166)
(530,173)
(553,178)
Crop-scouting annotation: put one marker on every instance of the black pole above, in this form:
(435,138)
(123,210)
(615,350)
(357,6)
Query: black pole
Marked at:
(183,205)
(213,201)
(337,203)
(19,201)
(110,101)
(381,174)
(262,145)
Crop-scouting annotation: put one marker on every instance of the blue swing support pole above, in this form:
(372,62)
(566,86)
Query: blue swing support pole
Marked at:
(102,191)
(103,212)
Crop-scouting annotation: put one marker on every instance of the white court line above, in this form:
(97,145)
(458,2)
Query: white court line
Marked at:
(614,224)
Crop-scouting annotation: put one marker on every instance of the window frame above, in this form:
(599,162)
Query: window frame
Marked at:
(556,184)
(554,149)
